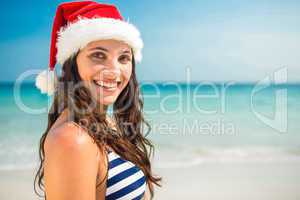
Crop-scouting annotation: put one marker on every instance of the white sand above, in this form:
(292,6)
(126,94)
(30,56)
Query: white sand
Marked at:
(232,182)
(17,185)
(215,181)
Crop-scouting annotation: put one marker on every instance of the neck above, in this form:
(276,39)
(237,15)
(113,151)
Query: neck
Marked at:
(102,109)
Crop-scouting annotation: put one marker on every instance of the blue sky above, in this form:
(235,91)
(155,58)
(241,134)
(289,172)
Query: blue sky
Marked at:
(218,40)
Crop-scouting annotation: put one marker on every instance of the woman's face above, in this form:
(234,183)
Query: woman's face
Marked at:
(105,66)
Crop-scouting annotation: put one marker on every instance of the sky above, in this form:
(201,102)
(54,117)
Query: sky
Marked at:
(196,40)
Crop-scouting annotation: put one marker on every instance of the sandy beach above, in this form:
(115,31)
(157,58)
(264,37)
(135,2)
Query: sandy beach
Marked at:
(227,181)
(209,181)
(213,85)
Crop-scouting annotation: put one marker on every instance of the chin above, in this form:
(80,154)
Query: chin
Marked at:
(108,100)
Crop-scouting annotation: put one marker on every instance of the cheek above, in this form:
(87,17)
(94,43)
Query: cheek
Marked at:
(85,70)
(127,73)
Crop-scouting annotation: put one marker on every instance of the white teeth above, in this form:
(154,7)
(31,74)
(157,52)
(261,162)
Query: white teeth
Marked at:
(106,84)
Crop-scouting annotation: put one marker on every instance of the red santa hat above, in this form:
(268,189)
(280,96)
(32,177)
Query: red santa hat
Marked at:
(78,23)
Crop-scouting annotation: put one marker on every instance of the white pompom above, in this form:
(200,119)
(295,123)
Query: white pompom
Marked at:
(46,81)
(138,56)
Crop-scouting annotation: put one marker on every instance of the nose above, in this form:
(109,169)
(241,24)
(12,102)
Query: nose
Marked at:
(111,70)
(111,73)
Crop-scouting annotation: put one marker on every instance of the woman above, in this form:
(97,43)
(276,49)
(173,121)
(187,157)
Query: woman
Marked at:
(84,153)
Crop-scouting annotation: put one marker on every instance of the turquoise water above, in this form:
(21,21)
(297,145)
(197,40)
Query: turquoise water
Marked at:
(187,126)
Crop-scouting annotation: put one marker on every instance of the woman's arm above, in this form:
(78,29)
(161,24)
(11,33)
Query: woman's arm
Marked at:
(147,193)
(70,164)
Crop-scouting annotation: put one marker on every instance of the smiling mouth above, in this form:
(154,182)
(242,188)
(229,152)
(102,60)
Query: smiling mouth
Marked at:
(111,86)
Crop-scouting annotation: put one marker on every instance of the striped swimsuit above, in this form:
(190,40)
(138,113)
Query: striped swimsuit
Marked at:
(125,180)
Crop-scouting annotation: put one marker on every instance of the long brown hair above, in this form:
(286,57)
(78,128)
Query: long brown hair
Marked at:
(129,141)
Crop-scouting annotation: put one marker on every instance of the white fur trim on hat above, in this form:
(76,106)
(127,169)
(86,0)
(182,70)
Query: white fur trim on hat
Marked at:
(46,81)
(76,36)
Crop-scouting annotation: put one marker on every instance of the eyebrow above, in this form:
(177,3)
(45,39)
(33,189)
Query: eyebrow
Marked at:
(103,49)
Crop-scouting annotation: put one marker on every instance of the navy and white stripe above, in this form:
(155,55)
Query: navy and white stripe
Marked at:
(125,180)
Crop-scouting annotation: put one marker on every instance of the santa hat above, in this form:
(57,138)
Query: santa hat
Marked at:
(78,23)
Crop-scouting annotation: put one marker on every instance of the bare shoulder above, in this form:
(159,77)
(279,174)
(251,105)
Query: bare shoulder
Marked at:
(69,135)
(71,163)
(69,139)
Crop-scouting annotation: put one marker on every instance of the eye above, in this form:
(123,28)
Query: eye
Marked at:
(125,59)
(98,55)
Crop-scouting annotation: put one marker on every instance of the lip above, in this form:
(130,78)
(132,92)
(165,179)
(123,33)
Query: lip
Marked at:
(107,90)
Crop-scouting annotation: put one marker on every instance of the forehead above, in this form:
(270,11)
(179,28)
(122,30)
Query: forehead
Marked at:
(110,44)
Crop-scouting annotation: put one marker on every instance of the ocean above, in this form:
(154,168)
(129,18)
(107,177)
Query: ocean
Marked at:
(191,124)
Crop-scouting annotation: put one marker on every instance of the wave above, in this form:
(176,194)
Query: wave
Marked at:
(173,156)
(182,157)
